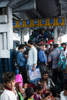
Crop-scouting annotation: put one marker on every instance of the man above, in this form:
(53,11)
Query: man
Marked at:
(51,47)
(49,83)
(32,56)
(42,59)
(21,60)
(48,80)
(65,48)
(54,56)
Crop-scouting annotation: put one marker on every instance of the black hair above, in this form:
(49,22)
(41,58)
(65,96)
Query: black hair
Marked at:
(45,72)
(39,87)
(51,44)
(63,44)
(42,80)
(21,46)
(7,77)
(55,45)
(29,92)
(31,42)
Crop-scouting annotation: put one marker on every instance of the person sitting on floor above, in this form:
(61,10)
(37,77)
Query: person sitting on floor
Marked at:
(49,84)
(29,93)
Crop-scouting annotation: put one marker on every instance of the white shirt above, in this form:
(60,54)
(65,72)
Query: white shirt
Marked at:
(8,95)
(32,56)
(63,97)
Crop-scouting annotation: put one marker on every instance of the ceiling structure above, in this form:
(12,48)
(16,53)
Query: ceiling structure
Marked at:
(36,9)
(33,9)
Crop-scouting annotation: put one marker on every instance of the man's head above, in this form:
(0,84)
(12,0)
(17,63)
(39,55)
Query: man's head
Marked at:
(63,45)
(55,46)
(21,47)
(9,79)
(30,43)
(29,92)
(43,47)
(45,75)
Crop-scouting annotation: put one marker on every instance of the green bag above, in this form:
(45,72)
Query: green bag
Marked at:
(21,98)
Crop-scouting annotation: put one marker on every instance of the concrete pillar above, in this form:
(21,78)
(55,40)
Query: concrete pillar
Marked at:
(5,41)
(10,28)
(56,35)
(66,24)
(10,37)
(1,42)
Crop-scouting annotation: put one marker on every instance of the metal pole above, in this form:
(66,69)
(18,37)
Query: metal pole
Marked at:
(29,32)
(56,35)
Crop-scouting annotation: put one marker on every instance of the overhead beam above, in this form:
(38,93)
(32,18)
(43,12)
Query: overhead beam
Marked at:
(3,4)
(27,6)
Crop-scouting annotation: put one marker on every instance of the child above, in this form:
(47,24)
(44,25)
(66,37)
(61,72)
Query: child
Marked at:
(19,83)
(9,83)
(42,82)
(38,95)
(29,93)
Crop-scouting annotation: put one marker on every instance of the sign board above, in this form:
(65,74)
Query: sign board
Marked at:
(27,23)
(35,23)
(60,21)
(20,23)
(14,23)
(34,75)
(43,22)
(51,22)
(39,22)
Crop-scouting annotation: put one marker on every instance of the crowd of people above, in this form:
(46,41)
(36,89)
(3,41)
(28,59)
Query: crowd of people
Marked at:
(49,58)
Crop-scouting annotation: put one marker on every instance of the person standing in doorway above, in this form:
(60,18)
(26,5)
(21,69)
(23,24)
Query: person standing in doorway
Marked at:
(42,59)
(32,56)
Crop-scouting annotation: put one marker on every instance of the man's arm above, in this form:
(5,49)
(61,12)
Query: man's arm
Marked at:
(34,59)
(49,58)
(42,57)
(21,57)
(52,83)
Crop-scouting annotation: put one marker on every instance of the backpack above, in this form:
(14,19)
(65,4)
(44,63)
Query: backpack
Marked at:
(15,64)
(61,62)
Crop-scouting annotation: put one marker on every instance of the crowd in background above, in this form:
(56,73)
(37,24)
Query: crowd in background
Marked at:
(40,52)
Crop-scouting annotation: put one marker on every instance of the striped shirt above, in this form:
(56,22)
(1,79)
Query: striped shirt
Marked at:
(54,56)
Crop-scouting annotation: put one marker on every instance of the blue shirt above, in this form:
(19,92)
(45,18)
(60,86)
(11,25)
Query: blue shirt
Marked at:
(21,60)
(42,57)
(54,57)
